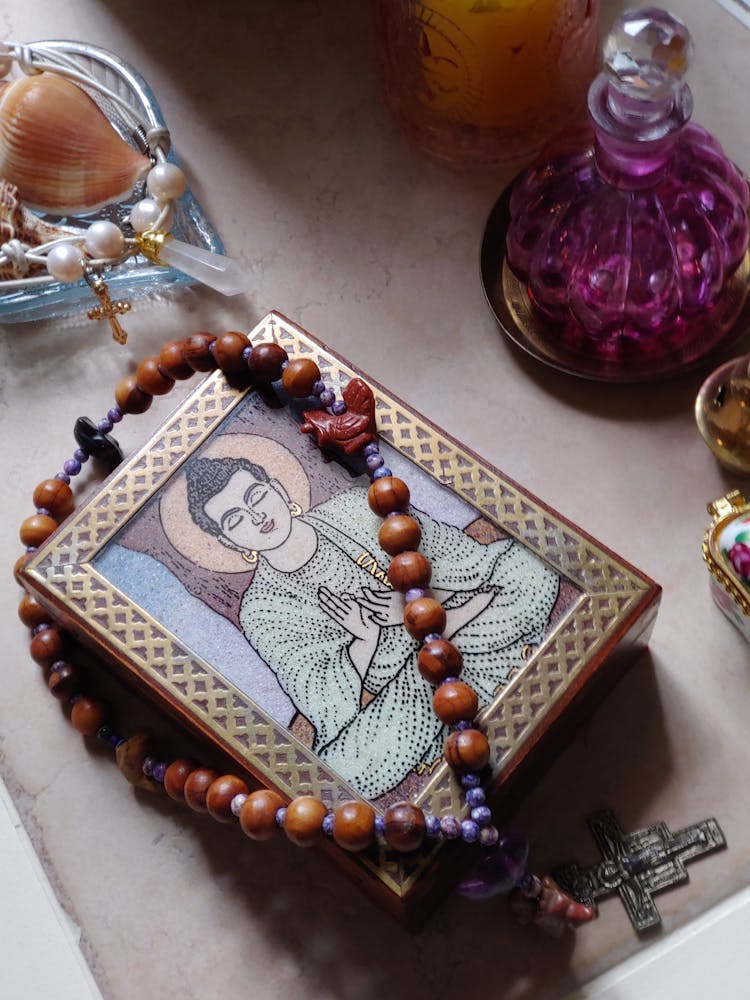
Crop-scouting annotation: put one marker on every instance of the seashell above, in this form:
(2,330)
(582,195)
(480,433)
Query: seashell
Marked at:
(60,150)
(16,223)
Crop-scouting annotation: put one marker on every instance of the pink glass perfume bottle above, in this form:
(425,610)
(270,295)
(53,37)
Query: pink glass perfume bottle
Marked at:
(631,236)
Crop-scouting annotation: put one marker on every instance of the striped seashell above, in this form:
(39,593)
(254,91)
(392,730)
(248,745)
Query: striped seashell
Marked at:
(59,149)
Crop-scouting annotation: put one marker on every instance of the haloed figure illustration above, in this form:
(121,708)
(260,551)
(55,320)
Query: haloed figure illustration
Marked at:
(330,626)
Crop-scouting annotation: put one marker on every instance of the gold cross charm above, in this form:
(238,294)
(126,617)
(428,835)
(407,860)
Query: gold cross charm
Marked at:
(107,309)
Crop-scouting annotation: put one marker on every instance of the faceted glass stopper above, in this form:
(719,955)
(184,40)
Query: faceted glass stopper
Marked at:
(647,52)
(722,412)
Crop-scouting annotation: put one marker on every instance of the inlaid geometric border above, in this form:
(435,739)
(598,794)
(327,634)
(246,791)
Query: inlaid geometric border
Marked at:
(62,572)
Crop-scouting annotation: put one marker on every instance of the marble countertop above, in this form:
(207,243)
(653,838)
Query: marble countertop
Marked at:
(349,231)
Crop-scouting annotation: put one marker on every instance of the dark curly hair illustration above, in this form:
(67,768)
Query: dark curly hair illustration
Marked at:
(208,476)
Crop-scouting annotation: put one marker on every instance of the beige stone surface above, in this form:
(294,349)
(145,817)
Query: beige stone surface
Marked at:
(348,230)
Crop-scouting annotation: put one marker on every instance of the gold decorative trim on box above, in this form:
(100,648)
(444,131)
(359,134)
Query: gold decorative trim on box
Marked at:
(724,510)
(612,597)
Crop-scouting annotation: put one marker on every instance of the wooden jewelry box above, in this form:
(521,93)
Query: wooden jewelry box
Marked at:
(251,648)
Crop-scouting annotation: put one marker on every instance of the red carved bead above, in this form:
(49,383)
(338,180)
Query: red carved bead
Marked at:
(455,702)
(303,821)
(423,616)
(258,814)
(409,570)
(130,398)
(151,379)
(196,787)
(88,715)
(220,793)
(228,348)
(404,827)
(299,377)
(56,497)
(438,660)
(467,750)
(354,826)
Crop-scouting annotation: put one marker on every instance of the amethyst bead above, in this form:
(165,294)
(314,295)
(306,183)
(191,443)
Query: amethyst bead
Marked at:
(499,870)
(80,455)
(115,414)
(450,827)
(328,397)
(43,510)
(373,448)
(159,771)
(148,766)
(470,780)
(481,815)
(380,825)
(382,472)
(338,407)
(105,425)
(432,825)
(459,727)
(475,797)
(281,817)
(414,594)
(318,388)
(63,477)
(72,467)
(240,798)
(374,462)
(327,824)
(432,637)
(246,352)
(469,831)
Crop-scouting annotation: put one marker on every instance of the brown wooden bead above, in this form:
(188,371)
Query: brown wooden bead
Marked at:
(172,361)
(304,816)
(130,755)
(408,570)
(258,814)
(423,616)
(404,827)
(228,350)
(467,750)
(196,352)
(151,379)
(20,564)
(36,529)
(299,377)
(46,646)
(88,715)
(399,533)
(31,612)
(130,398)
(196,787)
(220,795)
(175,777)
(265,362)
(65,680)
(354,826)
(439,659)
(455,702)
(388,494)
(56,496)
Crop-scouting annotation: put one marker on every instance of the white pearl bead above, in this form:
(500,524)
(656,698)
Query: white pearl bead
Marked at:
(104,239)
(165,182)
(65,262)
(144,214)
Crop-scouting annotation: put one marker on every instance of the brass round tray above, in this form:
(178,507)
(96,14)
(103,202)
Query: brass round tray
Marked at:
(553,345)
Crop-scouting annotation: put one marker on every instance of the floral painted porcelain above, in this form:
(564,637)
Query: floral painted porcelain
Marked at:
(726,550)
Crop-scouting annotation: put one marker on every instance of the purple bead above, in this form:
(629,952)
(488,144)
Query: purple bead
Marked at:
(104,732)
(31,548)
(448,680)
(43,510)
(246,352)
(432,637)
(470,780)
(238,802)
(63,477)
(380,825)
(339,407)
(115,414)
(431,825)
(499,870)
(374,462)
(80,455)
(318,388)
(72,467)
(414,594)
(488,836)
(159,771)
(281,817)
(481,815)
(469,831)
(284,365)
(212,347)
(373,448)
(450,827)
(382,472)
(328,824)
(105,425)
(328,397)
(58,665)
(475,797)
(148,766)
(41,628)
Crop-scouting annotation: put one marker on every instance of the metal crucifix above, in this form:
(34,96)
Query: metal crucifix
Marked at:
(107,309)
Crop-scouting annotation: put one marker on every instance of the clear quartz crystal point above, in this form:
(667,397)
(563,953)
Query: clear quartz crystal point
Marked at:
(221,273)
